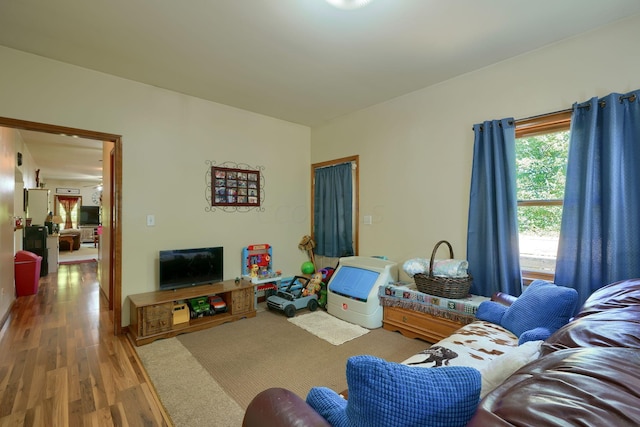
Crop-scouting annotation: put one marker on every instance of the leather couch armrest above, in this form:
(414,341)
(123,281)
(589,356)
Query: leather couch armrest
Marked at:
(503,298)
(279,407)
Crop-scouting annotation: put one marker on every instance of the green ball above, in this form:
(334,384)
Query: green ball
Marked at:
(307,268)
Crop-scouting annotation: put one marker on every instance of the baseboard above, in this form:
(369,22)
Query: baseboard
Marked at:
(6,314)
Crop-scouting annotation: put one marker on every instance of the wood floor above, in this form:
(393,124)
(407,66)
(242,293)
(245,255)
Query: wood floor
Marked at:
(61,365)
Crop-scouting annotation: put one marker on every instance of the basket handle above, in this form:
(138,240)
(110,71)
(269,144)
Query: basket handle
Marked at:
(433,254)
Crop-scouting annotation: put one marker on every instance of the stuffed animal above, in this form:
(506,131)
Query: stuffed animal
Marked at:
(314,285)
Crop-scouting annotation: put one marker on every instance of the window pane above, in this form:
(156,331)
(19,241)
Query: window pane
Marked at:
(539,233)
(541,166)
(541,221)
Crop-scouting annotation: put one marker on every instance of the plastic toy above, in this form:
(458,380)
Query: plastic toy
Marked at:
(254,270)
(327,272)
(200,307)
(217,304)
(257,264)
(307,267)
(296,285)
(291,299)
(260,255)
(180,313)
(322,302)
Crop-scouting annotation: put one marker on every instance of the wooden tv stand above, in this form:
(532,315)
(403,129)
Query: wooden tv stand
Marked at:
(152,313)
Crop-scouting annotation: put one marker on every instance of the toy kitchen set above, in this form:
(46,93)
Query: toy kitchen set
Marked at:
(257,266)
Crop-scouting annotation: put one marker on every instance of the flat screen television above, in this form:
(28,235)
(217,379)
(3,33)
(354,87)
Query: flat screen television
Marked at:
(181,268)
(89,215)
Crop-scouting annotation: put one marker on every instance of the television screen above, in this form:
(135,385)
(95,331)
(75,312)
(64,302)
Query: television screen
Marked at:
(180,268)
(89,215)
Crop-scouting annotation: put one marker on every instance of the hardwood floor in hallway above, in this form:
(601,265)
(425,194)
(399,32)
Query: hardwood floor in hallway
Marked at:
(61,364)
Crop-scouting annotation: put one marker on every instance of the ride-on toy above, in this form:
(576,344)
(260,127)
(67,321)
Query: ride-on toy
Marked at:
(291,299)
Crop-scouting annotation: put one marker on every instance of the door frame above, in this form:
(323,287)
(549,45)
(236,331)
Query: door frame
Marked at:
(115,256)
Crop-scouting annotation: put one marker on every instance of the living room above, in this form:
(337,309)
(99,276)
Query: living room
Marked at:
(415,150)
(424,136)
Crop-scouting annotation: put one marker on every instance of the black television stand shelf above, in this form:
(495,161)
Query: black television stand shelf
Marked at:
(151,313)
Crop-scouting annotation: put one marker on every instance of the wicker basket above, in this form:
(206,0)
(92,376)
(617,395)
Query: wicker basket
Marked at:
(445,287)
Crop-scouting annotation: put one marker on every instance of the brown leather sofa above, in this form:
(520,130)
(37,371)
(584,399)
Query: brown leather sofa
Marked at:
(588,374)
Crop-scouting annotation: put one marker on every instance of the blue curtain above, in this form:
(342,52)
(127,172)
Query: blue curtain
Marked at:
(600,231)
(333,211)
(492,239)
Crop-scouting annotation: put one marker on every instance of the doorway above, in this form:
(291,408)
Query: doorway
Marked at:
(112,202)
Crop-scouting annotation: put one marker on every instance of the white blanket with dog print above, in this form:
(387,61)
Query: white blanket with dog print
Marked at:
(488,347)
(475,345)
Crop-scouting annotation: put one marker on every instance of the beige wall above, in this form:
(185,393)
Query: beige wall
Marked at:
(416,150)
(7,179)
(167,140)
(11,206)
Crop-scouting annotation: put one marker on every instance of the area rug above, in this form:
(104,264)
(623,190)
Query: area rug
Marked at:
(251,355)
(188,393)
(331,329)
(86,253)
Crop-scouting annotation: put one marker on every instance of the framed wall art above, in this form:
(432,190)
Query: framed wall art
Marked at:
(235,187)
(60,190)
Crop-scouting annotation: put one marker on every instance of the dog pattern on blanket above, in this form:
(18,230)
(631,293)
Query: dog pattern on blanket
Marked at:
(436,354)
(475,345)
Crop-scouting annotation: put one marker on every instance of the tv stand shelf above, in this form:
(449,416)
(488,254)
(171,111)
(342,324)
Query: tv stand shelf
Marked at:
(151,313)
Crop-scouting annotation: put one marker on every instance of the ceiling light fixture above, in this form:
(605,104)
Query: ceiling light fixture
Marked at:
(348,4)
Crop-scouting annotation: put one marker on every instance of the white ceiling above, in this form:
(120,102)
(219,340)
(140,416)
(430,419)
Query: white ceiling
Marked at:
(302,61)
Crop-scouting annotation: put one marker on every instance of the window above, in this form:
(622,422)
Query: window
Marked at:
(60,210)
(542,147)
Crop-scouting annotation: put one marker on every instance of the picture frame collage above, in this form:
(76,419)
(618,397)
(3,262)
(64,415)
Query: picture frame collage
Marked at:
(235,187)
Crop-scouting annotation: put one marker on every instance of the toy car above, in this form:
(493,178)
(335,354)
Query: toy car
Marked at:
(290,299)
(200,307)
(217,304)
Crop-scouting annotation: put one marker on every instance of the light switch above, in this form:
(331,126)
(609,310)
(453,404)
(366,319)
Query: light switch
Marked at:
(368,220)
(151,220)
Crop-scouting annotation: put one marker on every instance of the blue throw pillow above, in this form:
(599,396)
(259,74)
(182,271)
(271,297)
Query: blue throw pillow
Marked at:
(388,394)
(491,311)
(542,306)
